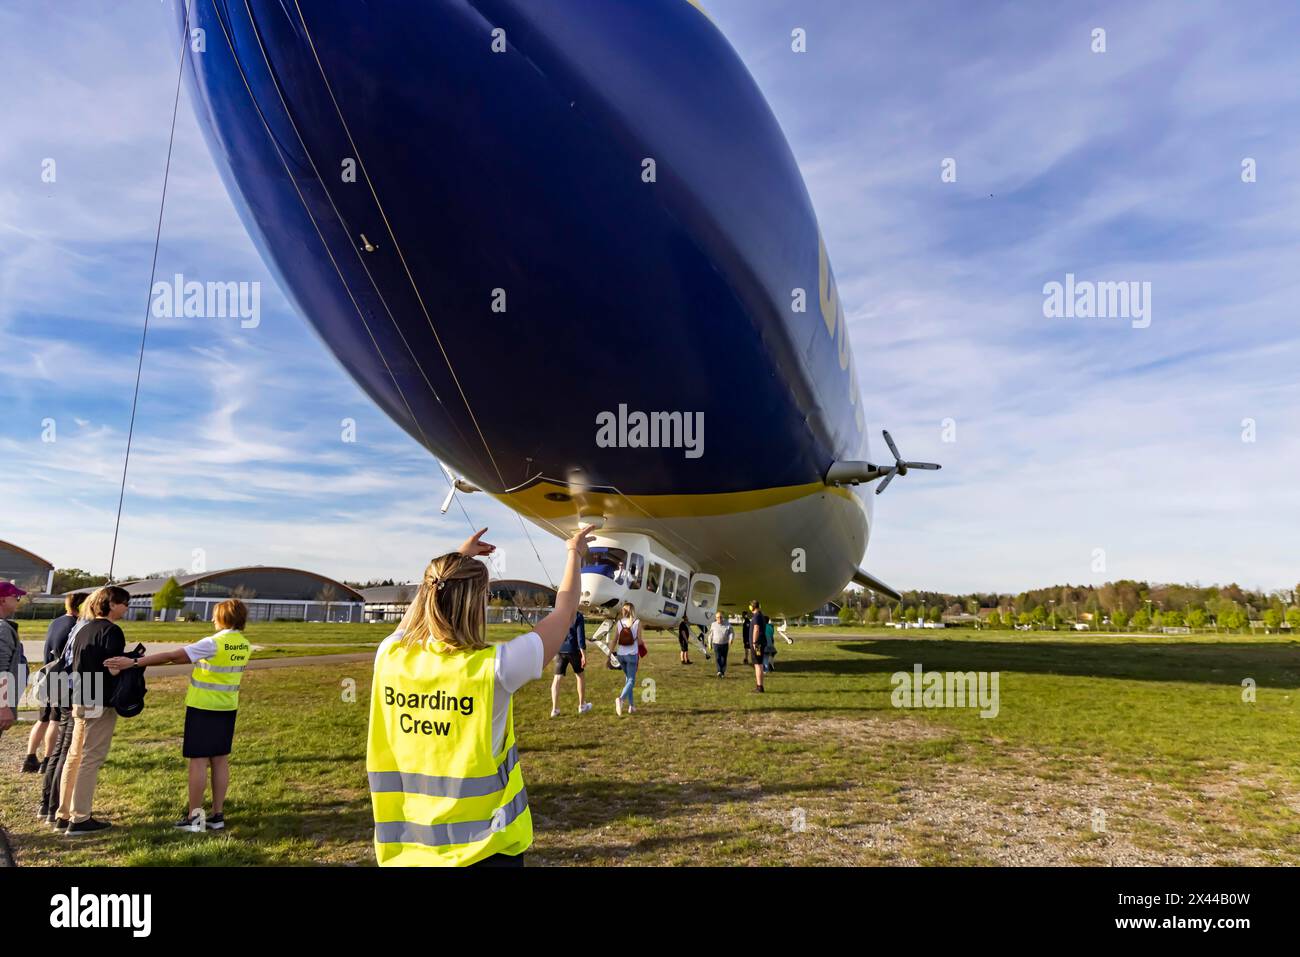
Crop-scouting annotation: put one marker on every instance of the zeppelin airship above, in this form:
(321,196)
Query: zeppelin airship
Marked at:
(565,245)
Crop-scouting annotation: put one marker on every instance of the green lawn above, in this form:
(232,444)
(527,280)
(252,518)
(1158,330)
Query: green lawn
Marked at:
(1150,732)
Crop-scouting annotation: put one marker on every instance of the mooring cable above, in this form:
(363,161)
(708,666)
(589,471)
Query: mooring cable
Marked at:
(153,270)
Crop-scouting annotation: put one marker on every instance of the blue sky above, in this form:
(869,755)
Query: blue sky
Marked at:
(1071,435)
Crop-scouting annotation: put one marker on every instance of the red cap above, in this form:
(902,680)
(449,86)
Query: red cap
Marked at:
(10,590)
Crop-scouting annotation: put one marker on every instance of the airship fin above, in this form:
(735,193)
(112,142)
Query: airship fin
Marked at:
(870,581)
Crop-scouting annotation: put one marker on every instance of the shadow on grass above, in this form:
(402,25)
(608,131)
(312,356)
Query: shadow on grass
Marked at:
(249,839)
(156,760)
(1270,664)
(597,803)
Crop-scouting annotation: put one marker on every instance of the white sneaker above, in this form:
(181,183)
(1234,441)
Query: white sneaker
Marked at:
(618,707)
(585,708)
(555,712)
(631,709)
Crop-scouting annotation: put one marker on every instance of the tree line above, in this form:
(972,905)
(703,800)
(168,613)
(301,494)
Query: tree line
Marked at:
(1118,605)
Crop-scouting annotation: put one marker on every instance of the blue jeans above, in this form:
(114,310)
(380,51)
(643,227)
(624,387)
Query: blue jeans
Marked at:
(767,661)
(721,652)
(629,663)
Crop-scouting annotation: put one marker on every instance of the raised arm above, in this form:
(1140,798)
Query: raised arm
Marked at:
(555,626)
(120,663)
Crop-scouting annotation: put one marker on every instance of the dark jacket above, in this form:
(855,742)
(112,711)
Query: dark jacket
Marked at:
(576,640)
(56,636)
(97,641)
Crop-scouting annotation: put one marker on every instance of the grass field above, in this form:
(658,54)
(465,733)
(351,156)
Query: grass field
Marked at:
(1153,733)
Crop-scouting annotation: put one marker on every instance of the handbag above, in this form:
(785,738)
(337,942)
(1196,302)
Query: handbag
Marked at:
(641,649)
(128,694)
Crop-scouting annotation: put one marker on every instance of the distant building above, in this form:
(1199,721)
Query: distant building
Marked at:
(387,602)
(827,614)
(28,571)
(522,594)
(390,602)
(287,594)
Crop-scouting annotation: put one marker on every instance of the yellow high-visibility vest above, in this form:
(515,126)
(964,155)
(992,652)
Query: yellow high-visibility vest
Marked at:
(440,794)
(214,682)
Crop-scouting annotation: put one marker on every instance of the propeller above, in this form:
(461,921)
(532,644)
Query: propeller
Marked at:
(899,467)
(457,485)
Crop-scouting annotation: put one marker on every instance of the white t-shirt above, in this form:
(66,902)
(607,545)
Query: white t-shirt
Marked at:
(518,662)
(720,633)
(204,648)
(622,623)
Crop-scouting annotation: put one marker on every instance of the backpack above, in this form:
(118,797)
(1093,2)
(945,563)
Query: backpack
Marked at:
(41,683)
(625,636)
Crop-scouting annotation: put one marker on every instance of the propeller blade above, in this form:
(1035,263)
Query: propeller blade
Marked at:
(922,465)
(889,477)
(446,502)
(889,440)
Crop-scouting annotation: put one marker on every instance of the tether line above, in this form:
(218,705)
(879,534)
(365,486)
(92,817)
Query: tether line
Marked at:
(153,270)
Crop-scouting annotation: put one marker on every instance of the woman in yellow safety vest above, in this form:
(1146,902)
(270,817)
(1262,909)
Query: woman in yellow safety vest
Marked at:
(211,702)
(446,787)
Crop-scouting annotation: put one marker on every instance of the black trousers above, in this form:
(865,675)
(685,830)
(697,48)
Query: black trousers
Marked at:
(721,652)
(57,757)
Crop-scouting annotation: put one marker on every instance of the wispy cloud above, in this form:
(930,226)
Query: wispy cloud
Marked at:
(1071,435)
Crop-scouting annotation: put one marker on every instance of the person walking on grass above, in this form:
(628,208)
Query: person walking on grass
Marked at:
(684,641)
(757,639)
(627,631)
(573,654)
(721,637)
(446,786)
(93,719)
(211,704)
(44,738)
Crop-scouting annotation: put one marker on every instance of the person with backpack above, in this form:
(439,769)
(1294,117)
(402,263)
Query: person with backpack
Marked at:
(46,730)
(60,676)
(93,719)
(211,704)
(769,646)
(13,662)
(627,645)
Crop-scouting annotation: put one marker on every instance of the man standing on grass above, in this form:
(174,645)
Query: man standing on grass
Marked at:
(13,677)
(746,625)
(757,640)
(573,654)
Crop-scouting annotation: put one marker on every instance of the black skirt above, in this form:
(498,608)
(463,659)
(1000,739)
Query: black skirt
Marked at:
(208,734)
